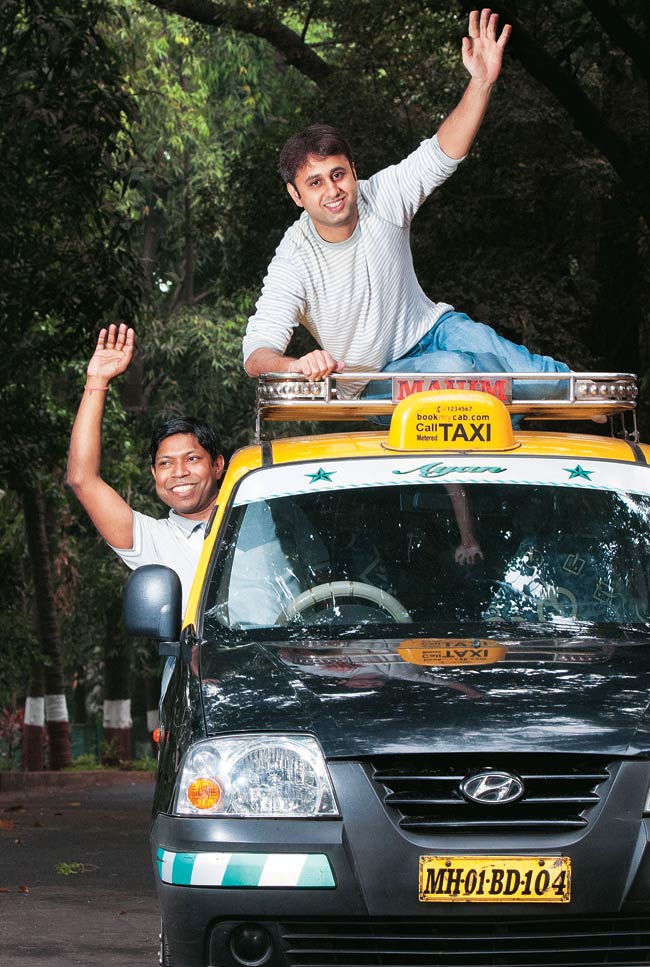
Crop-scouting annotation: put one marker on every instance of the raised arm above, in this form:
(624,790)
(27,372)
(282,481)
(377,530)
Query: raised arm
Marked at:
(109,512)
(482,56)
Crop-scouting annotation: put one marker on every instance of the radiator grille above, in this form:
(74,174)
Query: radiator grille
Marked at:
(479,942)
(422,793)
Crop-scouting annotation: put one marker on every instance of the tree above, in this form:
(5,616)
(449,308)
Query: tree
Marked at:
(551,66)
(198,92)
(55,708)
(116,127)
(64,255)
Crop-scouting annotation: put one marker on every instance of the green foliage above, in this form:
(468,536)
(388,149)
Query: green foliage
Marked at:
(61,114)
(66,265)
(11,725)
(145,763)
(199,92)
(139,183)
(18,640)
(65,259)
(73,868)
(194,364)
(87,762)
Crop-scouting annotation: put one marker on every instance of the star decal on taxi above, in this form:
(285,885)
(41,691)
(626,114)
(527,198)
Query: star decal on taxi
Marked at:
(321,475)
(578,471)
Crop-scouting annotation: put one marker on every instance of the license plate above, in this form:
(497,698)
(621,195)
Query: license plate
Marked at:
(495,879)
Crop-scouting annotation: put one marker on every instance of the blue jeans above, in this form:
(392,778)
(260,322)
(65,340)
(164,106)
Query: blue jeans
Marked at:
(457,344)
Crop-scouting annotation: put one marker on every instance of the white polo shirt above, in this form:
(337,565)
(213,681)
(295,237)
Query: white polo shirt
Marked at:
(175,541)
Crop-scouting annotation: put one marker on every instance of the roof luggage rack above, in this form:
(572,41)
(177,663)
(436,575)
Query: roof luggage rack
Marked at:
(569,396)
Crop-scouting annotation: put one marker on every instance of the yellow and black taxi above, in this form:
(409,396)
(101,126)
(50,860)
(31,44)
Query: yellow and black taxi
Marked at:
(409,722)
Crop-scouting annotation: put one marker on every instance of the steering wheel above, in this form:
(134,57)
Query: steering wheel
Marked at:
(349,589)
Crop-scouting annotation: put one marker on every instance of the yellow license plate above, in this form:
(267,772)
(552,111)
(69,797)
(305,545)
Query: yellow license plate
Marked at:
(495,879)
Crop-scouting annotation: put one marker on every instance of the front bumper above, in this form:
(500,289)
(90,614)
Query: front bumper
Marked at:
(353,893)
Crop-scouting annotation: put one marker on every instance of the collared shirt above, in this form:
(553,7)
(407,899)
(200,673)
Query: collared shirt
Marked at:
(175,541)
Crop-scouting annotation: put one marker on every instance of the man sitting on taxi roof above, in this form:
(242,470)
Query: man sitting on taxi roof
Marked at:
(344,269)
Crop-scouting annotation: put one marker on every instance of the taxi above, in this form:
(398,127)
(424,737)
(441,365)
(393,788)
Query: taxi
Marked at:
(409,722)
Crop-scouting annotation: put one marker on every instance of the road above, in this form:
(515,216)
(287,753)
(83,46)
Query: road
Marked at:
(76,882)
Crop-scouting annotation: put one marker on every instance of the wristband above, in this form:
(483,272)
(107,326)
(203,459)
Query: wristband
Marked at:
(100,389)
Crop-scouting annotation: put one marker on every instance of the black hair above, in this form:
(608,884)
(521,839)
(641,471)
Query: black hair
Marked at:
(204,433)
(321,140)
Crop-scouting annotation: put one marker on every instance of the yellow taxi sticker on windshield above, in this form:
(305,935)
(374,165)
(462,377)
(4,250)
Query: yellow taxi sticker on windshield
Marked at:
(451,651)
(451,420)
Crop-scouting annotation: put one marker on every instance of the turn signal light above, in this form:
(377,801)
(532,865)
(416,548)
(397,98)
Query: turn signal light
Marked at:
(205,793)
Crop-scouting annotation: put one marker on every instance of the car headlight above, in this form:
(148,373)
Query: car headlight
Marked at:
(256,775)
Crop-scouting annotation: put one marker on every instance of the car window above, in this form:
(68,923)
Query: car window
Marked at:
(547,554)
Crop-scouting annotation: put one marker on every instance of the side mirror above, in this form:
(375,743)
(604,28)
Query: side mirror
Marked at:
(153,601)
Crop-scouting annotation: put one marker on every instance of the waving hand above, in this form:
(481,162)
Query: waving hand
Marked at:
(113,352)
(482,51)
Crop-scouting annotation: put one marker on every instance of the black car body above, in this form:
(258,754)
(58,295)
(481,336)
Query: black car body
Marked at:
(376,752)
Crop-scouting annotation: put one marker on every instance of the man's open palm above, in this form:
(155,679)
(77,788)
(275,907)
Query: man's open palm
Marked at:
(113,353)
(482,51)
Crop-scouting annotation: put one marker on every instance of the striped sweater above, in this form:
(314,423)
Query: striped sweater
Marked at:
(360,298)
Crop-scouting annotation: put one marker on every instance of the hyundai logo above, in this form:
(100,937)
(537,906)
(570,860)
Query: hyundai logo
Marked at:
(492,788)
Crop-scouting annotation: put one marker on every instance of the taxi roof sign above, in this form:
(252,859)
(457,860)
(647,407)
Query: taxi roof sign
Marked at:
(451,420)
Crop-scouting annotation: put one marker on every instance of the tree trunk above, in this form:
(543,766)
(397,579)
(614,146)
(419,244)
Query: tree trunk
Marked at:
(79,696)
(260,22)
(187,295)
(152,232)
(617,317)
(117,700)
(56,711)
(34,721)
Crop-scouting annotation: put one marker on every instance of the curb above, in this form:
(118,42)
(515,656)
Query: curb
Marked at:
(21,781)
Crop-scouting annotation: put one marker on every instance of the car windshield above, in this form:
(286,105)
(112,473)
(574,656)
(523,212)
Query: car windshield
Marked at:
(437,558)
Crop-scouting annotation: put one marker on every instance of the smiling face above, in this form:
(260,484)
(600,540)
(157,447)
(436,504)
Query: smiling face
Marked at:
(327,189)
(186,476)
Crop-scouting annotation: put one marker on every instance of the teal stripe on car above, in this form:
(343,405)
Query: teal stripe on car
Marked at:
(244,869)
(182,868)
(316,872)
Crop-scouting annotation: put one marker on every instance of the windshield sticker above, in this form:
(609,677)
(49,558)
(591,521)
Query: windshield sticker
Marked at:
(321,475)
(430,470)
(451,651)
(283,480)
(574,564)
(578,471)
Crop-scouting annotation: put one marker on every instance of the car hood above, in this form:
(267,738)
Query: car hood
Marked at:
(433,695)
